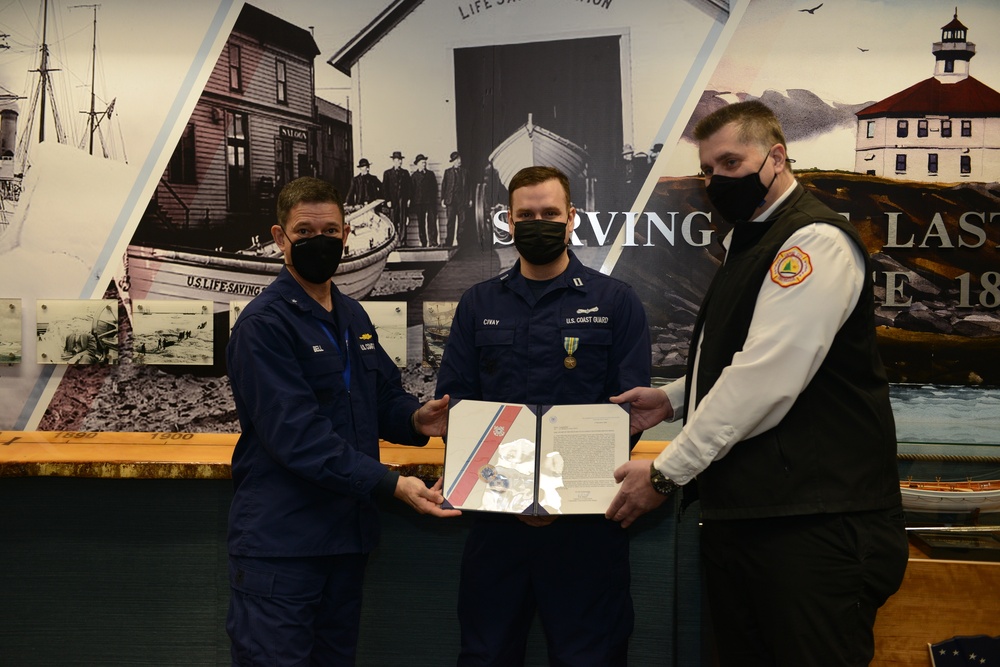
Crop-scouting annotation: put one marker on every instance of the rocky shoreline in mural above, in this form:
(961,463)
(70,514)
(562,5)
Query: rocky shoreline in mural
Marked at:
(934,252)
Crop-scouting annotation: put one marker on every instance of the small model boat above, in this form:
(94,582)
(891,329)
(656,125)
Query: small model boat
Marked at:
(938,496)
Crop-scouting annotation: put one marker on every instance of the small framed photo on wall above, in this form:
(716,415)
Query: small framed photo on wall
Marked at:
(10,331)
(77,331)
(177,332)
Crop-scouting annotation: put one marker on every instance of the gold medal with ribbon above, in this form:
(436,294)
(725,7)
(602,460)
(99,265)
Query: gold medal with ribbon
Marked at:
(570,343)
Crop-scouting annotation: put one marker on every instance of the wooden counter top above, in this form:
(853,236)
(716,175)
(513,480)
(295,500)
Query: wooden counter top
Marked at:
(176,455)
(939,599)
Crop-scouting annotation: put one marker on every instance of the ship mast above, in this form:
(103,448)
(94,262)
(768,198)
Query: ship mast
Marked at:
(92,116)
(39,98)
(45,83)
(43,70)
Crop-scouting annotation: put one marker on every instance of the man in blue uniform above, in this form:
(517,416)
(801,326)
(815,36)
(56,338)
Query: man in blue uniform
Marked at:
(314,392)
(520,338)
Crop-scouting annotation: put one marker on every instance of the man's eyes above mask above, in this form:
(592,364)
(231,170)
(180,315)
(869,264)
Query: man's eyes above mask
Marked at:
(545,215)
(308,233)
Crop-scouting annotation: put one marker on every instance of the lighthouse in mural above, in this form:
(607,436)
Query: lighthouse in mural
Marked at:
(943,129)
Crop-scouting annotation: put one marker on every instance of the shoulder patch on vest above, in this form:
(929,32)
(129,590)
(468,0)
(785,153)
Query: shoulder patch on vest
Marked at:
(791,267)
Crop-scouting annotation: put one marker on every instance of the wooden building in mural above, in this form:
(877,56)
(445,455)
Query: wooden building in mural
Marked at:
(256,126)
(945,128)
(333,144)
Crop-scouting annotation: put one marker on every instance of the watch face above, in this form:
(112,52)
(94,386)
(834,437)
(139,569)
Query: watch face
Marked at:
(661,483)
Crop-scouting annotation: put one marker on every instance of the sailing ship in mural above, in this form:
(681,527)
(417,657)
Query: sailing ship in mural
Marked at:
(43,114)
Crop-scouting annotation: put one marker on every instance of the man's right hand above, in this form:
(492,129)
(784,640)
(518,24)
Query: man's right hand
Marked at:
(413,492)
(649,406)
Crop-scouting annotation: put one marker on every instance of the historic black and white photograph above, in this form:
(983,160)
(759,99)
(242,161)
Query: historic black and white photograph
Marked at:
(235,308)
(389,318)
(437,325)
(10,331)
(172,332)
(77,331)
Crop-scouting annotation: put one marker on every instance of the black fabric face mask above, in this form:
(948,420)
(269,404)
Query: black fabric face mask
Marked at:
(316,258)
(737,198)
(539,241)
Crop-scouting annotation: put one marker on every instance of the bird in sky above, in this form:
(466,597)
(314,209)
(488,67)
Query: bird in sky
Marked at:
(813,10)
(862,50)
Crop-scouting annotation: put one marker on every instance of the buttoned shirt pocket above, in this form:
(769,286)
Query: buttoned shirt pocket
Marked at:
(593,339)
(590,348)
(324,373)
(495,347)
(369,367)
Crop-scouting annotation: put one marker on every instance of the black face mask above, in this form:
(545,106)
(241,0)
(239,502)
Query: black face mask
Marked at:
(539,241)
(316,258)
(737,198)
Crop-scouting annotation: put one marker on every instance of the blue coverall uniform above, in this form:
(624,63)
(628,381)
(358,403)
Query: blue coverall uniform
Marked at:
(314,392)
(507,346)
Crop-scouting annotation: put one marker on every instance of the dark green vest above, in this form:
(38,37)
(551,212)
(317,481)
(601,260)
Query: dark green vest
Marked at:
(835,451)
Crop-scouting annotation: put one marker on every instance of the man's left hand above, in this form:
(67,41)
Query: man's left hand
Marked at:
(432,417)
(636,495)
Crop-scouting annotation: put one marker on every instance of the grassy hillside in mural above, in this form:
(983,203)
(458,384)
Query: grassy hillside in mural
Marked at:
(934,250)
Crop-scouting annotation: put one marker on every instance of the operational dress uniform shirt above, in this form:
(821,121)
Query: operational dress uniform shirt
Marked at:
(505,347)
(789,334)
(314,391)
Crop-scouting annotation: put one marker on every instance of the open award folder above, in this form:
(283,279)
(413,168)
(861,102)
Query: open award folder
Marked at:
(534,459)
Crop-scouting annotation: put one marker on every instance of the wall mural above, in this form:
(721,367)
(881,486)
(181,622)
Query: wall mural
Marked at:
(142,166)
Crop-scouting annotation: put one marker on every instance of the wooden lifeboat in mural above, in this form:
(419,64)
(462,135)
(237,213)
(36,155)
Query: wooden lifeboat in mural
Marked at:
(527,146)
(185,273)
(532,144)
(938,496)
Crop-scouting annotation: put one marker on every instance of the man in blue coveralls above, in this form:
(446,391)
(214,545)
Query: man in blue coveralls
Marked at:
(314,391)
(519,338)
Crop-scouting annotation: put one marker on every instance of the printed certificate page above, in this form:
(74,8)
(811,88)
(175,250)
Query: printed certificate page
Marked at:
(581,446)
(489,460)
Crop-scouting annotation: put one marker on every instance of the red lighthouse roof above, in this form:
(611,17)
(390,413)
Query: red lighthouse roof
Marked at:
(968,97)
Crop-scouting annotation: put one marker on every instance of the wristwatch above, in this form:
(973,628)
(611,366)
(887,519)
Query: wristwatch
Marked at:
(661,482)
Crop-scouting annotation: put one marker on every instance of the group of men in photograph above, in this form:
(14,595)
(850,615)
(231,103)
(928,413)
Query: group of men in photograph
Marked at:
(413,195)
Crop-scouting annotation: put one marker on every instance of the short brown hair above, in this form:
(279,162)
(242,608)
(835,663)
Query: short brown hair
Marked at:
(535,176)
(755,124)
(307,190)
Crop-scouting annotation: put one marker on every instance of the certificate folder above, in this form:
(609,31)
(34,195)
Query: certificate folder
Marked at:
(534,459)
